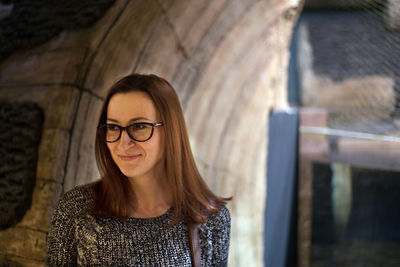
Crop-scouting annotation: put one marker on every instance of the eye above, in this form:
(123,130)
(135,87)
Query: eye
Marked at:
(140,126)
(112,128)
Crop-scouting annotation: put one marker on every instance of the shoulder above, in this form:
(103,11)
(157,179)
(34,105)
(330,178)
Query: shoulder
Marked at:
(72,208)
(76,200)
(215,237)
(79,195)
(81,191)
(220,219)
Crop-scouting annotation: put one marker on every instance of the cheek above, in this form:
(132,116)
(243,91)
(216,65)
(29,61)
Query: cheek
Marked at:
(159,147)
(154,150)
(161,142)
(111,149)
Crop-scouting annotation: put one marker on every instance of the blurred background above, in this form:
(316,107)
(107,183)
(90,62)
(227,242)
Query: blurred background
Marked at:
(346,80)
(292,108)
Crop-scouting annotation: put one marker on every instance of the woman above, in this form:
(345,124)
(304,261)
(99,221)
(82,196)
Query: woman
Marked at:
(149,193)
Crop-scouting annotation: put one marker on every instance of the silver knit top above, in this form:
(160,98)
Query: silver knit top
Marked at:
(76,237)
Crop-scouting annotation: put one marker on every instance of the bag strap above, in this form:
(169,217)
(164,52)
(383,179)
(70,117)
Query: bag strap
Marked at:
(194,245)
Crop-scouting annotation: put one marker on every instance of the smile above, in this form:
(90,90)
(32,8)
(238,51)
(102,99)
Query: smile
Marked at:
(129,157)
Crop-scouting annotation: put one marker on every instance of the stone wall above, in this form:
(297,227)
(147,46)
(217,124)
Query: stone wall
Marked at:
(20,132)
(227,60)
(347,65)
(392,15)
(25,23)
(352,72)
(342,4)
(389,10)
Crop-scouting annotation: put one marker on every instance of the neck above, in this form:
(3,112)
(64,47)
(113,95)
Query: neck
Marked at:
(152,195)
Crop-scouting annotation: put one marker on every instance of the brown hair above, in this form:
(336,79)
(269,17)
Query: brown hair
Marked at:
(192,199)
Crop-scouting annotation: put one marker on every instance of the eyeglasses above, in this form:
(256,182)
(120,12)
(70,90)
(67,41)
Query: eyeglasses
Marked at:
(140,132)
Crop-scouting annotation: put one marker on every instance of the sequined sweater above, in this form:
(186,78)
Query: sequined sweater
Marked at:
(76,238)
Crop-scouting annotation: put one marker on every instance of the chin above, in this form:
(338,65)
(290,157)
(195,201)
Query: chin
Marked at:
(132,173)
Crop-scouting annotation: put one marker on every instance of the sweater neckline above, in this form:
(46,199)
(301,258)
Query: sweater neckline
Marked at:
(167,215)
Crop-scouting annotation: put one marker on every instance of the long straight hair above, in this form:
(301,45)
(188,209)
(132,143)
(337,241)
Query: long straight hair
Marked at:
(193,201)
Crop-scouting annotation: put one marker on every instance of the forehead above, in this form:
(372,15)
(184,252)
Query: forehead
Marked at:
(124,107)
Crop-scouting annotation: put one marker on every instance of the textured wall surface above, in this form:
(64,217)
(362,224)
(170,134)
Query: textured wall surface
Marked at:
(392,15)
(353,71)
(349,81)
(27,23)
(342,4)
(20,132)
(226,58)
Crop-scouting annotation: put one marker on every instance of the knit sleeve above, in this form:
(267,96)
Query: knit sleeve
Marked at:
(61,242)
(221,237)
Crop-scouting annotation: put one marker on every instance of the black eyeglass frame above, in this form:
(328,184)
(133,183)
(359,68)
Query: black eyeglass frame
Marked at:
(121,128)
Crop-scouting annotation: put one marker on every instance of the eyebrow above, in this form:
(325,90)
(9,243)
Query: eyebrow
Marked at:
(131,120)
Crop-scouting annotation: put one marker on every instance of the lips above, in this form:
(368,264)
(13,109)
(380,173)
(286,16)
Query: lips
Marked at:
(129,157)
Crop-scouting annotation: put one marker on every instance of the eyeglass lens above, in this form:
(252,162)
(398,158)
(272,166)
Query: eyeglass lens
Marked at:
(137,131)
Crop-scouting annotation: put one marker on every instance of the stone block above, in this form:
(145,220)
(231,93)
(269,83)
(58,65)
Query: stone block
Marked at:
(32,22)
(97,32)
(53,152)
(45,196)
(329,4)
(123,44)
(165,37)
(58,102)
(357,96)
(23,243)
(5,261)
(354,88)
(11,261)
(42,67)
(89,38)
(58,105)
(20,132)
(81,165)
(392,15)
(191,22)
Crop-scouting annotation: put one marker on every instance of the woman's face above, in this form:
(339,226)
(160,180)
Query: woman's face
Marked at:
(136,159)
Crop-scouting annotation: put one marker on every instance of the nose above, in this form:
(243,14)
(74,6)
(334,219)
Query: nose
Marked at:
(125,141)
